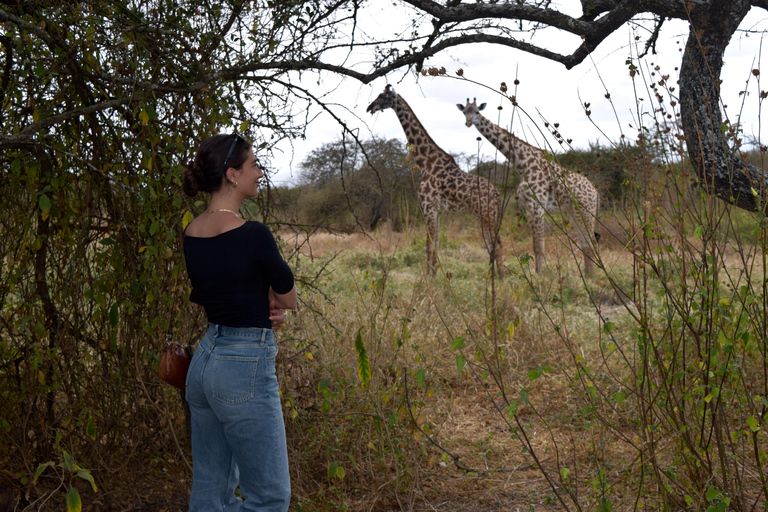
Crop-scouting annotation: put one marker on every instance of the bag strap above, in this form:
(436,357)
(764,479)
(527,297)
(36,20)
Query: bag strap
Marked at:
(169,332)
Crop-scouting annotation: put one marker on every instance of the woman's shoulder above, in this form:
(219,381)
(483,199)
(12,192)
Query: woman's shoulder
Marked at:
(198,228)
(256,227)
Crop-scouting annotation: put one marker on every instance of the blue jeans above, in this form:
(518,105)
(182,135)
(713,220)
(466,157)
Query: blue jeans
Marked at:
(238,435)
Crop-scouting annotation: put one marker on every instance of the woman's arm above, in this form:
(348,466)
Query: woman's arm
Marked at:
(284,300)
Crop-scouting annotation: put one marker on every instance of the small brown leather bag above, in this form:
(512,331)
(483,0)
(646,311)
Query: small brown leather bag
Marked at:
(174,364)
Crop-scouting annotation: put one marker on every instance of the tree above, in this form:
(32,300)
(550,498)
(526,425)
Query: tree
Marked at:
(370,181)
(101,107)
(609,168)
(712,24)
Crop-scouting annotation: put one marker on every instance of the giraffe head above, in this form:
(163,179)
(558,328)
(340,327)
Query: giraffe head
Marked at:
(470,111)
(385,100)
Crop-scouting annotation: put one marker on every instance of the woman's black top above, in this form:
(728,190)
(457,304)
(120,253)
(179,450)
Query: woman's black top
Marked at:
(231,274)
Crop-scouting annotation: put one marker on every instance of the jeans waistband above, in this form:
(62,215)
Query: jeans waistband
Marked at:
(256,334)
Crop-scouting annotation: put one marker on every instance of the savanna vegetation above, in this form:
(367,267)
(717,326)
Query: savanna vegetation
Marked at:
(644,387)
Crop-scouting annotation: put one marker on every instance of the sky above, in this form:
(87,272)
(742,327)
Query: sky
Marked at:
(546,92)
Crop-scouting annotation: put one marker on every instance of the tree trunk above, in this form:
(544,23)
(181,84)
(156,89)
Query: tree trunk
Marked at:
(718,167)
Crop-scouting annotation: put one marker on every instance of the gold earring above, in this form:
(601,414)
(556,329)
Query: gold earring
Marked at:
(234,183)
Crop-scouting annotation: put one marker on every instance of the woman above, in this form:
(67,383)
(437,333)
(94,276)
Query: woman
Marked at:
(242,281)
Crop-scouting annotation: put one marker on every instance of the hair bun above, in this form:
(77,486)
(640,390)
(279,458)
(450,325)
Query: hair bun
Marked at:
(191,179)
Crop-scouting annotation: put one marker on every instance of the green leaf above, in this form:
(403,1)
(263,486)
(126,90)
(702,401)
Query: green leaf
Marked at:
(460,363)
(73,501)
(421,377)
(754,426)
(86,475)
(114,315)
(533,375)
(45,203)
(324,384)
(40,470)
(457,343)
(69,463)
(186,219)
(363,364)
(336,471)
(512,410)
(619,397)
(90,430)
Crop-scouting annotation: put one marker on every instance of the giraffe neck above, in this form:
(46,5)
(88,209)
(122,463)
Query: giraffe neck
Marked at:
(422,144)
(516,151)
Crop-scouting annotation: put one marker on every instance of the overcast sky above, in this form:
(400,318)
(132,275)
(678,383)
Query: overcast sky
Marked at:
(547,91)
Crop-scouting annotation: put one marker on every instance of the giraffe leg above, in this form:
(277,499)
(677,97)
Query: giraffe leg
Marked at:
(584,219)
(486,207)
(586,245)
(498,255)
(535,215)
(431,222)
(494,244)
(591,237)
(536,224)
(488,220)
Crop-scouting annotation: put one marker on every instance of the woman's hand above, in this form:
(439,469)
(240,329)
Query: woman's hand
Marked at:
(276,316)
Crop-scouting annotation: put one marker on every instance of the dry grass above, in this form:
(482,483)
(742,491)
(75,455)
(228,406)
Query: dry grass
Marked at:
(422,435)
(459,415)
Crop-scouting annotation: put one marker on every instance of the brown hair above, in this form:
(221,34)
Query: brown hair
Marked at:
(206,172)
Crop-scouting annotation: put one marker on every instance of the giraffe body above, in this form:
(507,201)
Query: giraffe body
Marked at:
(444,186)
(544,187)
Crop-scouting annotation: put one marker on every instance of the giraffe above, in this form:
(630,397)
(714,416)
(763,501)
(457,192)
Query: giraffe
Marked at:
(443,184)
(544,186)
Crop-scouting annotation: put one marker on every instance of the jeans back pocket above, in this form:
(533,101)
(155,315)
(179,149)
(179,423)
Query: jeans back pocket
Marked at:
(234,378)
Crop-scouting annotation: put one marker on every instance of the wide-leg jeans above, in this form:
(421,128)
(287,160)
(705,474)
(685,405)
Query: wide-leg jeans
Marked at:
(238,434)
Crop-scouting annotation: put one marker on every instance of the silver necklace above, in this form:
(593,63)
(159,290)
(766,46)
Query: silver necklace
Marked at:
(211,212)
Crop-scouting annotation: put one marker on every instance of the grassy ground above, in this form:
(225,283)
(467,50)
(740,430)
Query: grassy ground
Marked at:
(460,392)
(422,434)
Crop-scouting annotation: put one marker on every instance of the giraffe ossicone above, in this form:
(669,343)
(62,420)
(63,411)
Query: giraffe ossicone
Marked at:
(443,184)
(544,186)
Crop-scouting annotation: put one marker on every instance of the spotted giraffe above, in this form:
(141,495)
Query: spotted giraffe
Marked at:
(544,186)
(443,184)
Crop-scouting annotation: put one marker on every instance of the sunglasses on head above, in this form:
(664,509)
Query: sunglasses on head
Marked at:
(232,148)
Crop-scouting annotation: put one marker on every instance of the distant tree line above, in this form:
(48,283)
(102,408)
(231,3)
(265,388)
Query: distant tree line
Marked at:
(346,186)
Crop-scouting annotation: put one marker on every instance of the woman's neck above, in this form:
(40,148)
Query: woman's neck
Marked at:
(228,202)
